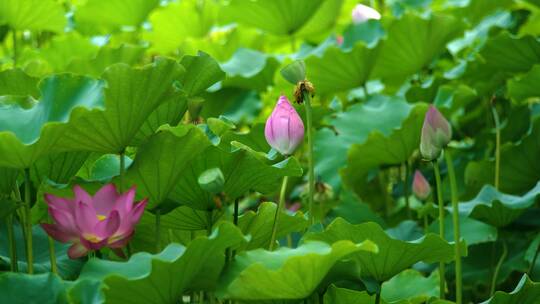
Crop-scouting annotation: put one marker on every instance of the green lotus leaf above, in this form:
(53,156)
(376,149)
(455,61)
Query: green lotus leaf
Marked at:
(8,180)
(61,52)
(176,21)
(380,149)
(58,167)
(339,70)
(161,278)
(131,95)
(37,288)
(36,15)
(30,129)
(175,148)
(471,230)
(526,292)
(279,17)
(517,174)
(378,113)
(105,57)
(403,54)
(408,287)
(184,218)
(250,69)
(243,168)
(394,255)
(18,83)
(105,16)
(67,267)
(102,167)
(510,54)
(496,208)
(202,71)
(285,273)
(258,225)
(524,88)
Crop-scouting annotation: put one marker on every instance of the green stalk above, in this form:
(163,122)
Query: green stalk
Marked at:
(122,170)
(15,51)
(311,176)
(406,191)
(210,222)
(28,222)
(455,220)
(497,146)
(278,212)
(378,297)
(52,256)
(531,267)
(12,244)
(441,224)
(498,268)
(158,230)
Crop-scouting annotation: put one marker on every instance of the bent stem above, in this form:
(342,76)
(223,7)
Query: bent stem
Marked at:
(441,224)
(311,166)
(497,146)
(28,222)
(406,191)
(278,212)
(52,256)
(122,169)
(158,230)
(455,220)
(498,268)
(12,244)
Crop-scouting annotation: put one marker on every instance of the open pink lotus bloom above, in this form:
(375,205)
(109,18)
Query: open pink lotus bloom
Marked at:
(284,129)
(106,219)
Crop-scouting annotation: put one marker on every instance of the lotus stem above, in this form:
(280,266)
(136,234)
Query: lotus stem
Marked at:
(531,267)
(406,191)
(210,222)
(498,268)
(122,170)
(278,212)
(497,146)
(15,50)
(441,224)
(158,230)
(12,244)
(28,222)
(52,256)
(378,297)
(311,173)
(235,214)
(455,220)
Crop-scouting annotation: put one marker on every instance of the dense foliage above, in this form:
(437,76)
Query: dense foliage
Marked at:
(136,166)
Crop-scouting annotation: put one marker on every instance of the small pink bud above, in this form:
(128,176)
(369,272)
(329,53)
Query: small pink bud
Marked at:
(339,40)
(362,13)
(436,134)
(420,186)
(284,130)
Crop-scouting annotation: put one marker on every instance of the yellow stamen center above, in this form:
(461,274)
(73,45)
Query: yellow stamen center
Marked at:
(101,217)
(92,238)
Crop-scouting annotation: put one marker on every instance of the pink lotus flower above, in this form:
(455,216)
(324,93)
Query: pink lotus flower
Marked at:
(420,186)
(284,130)
(436,134)
(106,219)
(362,13)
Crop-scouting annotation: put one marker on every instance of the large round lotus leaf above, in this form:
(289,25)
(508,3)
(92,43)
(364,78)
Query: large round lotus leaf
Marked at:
(394,255)
(30,129)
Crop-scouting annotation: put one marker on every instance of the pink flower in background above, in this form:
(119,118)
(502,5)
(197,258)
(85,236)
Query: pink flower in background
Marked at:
(106,219)
(362,13)
(284,130)
(420,186)
(436,134)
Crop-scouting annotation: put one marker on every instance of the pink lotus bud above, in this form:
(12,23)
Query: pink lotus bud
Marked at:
(339,40)
(284,130)
(362,13)
(420,186)
(436,134)
(106,219)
